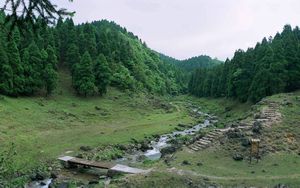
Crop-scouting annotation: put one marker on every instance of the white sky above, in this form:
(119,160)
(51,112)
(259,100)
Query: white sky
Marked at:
(186,28)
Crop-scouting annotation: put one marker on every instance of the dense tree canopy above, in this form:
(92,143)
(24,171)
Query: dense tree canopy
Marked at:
(98,55)
(273,66)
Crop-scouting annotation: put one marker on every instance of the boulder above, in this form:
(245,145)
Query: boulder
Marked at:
(93,182)
(238,157)
(245,142)
(54,175)
(86,148)
(281,186)
(257,127)
(185,162)
(168,150)
(236,133)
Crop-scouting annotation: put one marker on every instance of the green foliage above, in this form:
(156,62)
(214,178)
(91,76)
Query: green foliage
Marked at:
(50,74)
(6,76)
(126,62)
(193,63)
(123,79)
(102,74)
(273,66)
(83,76)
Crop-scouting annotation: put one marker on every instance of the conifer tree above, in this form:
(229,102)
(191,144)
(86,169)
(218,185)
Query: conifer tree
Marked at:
(102,74)
(50,73)
(17,68)
(35,68)
(6,73)
(83,76)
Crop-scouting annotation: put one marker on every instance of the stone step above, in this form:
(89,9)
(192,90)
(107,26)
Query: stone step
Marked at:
(202,143)
(214,134)
(217,130)
(205,141)
(199,146)
(210,136)
(194,148)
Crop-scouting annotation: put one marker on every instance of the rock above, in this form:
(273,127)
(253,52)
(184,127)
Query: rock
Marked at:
(102,177)
(178,129)
(94,182)
(40,176)
(168,150)
(280,186)
(238,157)
(122,147)
(185,162)
(182,125)
(53,175)
(86,148)
(245,142)
(145,146)
(236,133)
(42,183)
(257,127)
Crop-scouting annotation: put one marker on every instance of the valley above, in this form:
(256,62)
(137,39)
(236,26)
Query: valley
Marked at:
(86,103)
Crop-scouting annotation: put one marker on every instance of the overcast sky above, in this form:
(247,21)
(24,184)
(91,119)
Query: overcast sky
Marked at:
(186,28)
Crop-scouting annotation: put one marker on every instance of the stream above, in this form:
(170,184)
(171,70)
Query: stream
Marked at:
(157,145)
(163,141)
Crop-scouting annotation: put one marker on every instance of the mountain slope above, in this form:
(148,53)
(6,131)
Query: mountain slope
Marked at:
(193,63)
(98,54)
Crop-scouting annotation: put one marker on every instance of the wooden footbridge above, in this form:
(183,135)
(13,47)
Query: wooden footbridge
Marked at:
(103,165)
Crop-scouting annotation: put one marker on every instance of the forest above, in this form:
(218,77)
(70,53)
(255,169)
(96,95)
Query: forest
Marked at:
(190,64)
(96,54)
(271,67)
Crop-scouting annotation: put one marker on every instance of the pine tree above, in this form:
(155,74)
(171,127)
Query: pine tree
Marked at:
(50,73)
(6,73)
(17,68)
(73,56)
(102,74)
(83,76)
(33,66)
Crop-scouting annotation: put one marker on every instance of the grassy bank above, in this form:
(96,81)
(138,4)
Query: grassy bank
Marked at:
(44,128)
(216,165)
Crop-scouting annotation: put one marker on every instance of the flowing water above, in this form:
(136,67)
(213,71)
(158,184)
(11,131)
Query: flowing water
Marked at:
(158,144)
(39,184)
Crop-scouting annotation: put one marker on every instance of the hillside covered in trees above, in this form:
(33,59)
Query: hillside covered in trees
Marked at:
(272,66)
(97,55)
(202,61)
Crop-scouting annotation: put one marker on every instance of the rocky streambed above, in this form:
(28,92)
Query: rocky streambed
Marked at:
(155,148)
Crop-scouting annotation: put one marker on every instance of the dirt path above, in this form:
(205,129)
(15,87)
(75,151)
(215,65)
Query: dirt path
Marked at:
(192,173)
(269,114)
